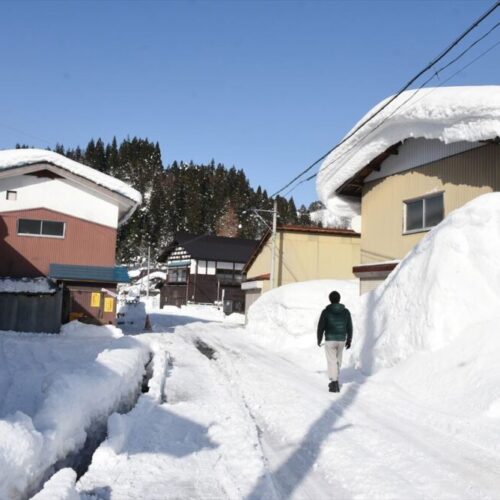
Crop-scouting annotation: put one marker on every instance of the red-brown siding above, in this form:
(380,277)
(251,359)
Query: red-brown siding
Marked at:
(84,243)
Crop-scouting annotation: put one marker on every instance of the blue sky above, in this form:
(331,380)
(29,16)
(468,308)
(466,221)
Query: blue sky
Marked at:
(265,86)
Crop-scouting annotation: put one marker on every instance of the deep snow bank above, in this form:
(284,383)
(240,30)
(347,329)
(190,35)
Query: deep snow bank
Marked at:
(445,288)
(293,310)
(54,388)
(450,114)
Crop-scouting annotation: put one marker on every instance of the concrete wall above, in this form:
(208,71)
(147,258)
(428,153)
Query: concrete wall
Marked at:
(461,178)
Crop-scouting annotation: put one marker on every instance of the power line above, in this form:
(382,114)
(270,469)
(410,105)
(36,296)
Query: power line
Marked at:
(405,87)
(463,68)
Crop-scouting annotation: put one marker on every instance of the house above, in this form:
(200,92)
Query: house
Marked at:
(411,166)
(301,254)
(205,269)
(59,220)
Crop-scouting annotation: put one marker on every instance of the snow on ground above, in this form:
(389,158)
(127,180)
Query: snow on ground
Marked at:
(54,389)
(238,417)
(450,114)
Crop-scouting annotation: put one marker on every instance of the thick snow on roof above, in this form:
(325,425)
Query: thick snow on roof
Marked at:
(450,114)
(31,286)
(12,158)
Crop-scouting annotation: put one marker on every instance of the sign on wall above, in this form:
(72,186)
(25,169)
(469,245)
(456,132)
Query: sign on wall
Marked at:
(95,299)
(109,305)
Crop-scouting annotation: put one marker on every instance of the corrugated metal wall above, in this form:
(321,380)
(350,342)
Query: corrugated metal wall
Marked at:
(31,313)
(462,178)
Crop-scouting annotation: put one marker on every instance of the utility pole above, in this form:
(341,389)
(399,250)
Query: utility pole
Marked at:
(273,244)
(147,281)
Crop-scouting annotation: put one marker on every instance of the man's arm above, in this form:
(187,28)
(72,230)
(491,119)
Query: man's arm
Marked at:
(349,330)
(321,327)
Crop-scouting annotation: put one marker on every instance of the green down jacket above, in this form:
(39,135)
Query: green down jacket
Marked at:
(335,322)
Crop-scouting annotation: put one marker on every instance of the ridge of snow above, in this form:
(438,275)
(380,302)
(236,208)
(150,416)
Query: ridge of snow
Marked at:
(449,114)
(27,285)
(11,158)
(442,290)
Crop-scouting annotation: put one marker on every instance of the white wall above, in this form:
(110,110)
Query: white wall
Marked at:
(60,195)
(417,152)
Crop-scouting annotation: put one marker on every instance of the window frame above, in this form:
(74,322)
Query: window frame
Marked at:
(41,235)
(11,192)
(424,227)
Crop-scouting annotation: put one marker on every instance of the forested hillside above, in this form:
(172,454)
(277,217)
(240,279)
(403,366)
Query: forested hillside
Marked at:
(180,196)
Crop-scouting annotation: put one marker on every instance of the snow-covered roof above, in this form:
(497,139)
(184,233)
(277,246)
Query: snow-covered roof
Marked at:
(450,114)
(30,286)
(13,158)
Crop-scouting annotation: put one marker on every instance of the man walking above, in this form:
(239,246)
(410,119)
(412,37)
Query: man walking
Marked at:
(336,324)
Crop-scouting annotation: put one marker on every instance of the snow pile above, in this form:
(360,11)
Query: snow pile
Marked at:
(293,310)
(75,329)
(12,158)
(340,212)
(54,389)
(450,114)
(32,286)
(447,288)
(61,486)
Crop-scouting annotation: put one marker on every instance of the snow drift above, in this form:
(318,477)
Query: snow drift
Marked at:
(293,310)
(54,389)
(447,286)
(450,114)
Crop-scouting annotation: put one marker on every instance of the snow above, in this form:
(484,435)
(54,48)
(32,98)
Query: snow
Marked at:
(450,114)
(293,310)
(54,388)
(341,211)
(61,486)
(447,285)
(11,158)
(27,285)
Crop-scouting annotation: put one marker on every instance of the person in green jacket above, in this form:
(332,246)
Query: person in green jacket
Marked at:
(335,324)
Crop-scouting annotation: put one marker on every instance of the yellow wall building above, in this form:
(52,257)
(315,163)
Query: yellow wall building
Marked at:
(416,185)
(302,254)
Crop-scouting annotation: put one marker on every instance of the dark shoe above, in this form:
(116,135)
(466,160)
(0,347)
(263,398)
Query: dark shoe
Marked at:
(336,387)
(331,386)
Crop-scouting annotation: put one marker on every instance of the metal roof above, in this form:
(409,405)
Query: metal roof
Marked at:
(210,247)
(66,272)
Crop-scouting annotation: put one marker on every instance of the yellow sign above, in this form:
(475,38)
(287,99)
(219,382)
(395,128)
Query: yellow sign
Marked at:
(109,305)
(95,299)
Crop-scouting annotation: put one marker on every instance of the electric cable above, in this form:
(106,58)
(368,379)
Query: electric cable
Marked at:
(446,51)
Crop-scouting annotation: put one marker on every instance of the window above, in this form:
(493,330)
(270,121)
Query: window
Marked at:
(33,227)
(423,213)
(178,275)
(11,195)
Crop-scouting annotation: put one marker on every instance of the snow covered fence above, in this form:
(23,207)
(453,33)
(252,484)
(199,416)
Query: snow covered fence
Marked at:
(72,399)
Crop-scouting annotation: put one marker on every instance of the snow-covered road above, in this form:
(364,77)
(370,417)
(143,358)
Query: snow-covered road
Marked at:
(227,417)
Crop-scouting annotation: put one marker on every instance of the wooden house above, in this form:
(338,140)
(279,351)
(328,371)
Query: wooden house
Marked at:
(205,269)
(59,219)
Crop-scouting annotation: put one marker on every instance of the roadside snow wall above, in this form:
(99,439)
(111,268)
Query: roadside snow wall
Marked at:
(446,287)
(61,398)
(291,312)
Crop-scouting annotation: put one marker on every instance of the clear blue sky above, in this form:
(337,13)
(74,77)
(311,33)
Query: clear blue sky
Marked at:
(266,86)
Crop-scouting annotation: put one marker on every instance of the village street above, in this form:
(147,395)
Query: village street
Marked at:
(226,417)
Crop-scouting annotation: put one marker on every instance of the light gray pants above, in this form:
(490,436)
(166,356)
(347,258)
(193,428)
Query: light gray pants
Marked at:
(333,351)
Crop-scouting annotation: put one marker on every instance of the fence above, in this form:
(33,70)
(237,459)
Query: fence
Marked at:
(31,313)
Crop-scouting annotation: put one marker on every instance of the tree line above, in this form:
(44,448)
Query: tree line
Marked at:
(195,198)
